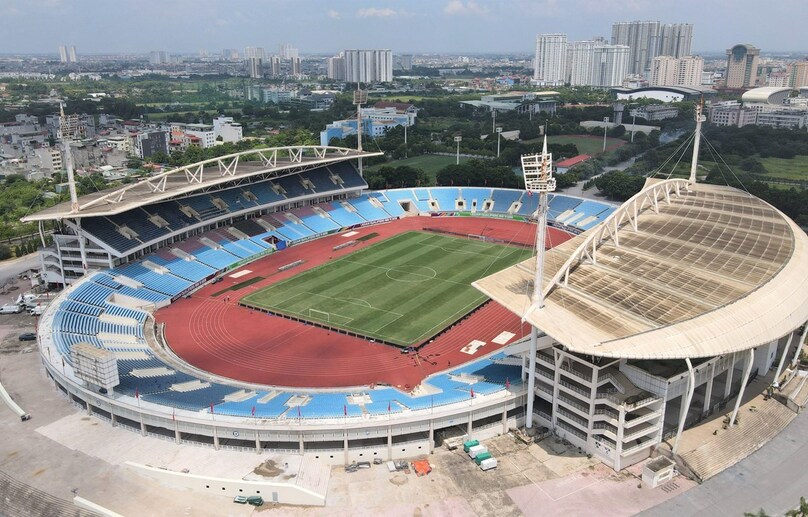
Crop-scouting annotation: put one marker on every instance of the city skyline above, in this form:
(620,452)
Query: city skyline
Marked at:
(447,26)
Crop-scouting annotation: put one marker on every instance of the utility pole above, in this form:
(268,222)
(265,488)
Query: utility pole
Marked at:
(605,127)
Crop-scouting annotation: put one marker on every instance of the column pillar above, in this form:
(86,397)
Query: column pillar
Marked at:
(469,426)
(687,398)
(216,438)
(113,418)
(142,427)
(257,443)
(177,434)
(531,377)
(505,421)
(431,436)
(89,409)
(301,443)
(345,445)
(730,370)
(799,345)
(390,443)
(780,365)
(746,373)
(709,393)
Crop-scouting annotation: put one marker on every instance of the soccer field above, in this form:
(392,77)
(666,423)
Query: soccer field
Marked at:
(402,290)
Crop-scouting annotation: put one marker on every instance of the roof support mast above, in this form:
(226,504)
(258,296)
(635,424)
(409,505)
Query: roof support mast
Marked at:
(67,128)
(538,173)
(360,97)
(694,162)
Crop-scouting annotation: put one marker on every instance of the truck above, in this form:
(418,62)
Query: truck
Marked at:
(31,300)
(488,464)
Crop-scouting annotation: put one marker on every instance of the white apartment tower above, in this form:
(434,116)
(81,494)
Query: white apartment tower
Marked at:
(642,39)
(335,67)
(675,39)
(609,65)
(287,51)
(68,54)
(257,52)
(368,66)
(551,60)
(663,71)
(579,62)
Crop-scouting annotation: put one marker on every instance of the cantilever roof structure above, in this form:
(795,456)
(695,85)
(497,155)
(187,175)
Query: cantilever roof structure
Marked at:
(204,175)
(678,271)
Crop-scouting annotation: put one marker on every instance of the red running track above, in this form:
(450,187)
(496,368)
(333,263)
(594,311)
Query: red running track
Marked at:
(212,332)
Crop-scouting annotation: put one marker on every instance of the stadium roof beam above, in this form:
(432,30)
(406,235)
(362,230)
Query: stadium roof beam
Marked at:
(200,176)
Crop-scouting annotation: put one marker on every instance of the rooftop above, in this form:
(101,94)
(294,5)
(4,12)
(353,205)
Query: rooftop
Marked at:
(699,271)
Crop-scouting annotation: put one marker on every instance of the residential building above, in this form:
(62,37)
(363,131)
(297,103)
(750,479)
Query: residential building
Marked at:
(402,62)
(147,143)
(205,133)
(798,74)
(742,66)
(159,57)
(550,65)
(642,39)
(255,67)
(579,62)
(335,67)
(287,51)
(368,66)
(62,54)
(50,158)
(675,39)
(649,39)
(68,54)
(257,52)
(225,129)
(275,66)
(609,65)
(786,117)
(672,71)
(778,79)
(295,66)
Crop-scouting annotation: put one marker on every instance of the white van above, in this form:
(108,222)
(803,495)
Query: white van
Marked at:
(38,309)
(10,308)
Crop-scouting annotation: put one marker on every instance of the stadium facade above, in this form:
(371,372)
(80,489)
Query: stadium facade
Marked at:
(657,312)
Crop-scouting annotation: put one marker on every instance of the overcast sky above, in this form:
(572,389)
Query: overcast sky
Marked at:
(323,26)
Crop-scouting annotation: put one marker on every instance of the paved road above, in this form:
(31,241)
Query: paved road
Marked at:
(9,269)
(773,478)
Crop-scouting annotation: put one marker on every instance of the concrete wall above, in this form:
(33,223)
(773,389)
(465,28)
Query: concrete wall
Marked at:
(284,493)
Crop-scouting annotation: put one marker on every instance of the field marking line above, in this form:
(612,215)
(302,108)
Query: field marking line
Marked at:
(388,269)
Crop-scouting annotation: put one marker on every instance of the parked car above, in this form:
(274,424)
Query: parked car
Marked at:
(10,308)
(28,336)
(255,500)
(240,499)
(363,465)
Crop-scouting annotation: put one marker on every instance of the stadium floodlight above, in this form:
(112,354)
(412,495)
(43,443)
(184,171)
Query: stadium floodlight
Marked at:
(538,173)
(499,133)
(359,97)
(457,140)
(605,127)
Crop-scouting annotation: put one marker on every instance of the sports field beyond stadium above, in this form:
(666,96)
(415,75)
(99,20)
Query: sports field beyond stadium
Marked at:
(403,290)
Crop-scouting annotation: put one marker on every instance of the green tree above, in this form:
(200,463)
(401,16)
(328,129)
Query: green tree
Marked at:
(5,252)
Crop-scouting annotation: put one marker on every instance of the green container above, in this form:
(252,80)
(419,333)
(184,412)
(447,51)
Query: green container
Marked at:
(469,444)
(482,456)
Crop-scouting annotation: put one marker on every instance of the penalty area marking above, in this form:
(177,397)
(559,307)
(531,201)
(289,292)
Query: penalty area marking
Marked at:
(240,274)
(472,347)
(503,337)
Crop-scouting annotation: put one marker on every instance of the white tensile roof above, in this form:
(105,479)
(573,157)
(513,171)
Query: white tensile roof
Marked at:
(679,271)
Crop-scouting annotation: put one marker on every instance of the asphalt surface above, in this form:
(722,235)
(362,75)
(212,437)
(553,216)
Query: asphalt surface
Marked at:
(773,478)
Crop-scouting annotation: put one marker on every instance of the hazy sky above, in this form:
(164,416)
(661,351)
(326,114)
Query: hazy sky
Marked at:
(320,26)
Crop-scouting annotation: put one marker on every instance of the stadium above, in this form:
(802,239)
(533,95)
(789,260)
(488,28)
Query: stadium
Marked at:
(267,301)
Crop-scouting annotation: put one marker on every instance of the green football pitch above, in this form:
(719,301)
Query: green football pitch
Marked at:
(403,290)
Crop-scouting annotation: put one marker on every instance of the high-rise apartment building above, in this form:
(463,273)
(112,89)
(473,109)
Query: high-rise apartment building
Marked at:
(68,54)
(257,52)
(798,74)
(671,71)
(287,51)
(255,66)
(275,66)
(609,65)
(368,66)
(550,65)
(294,66)
(675,39)
(579,62)
(335,67)
(742,66)
(158,57)
(649,39)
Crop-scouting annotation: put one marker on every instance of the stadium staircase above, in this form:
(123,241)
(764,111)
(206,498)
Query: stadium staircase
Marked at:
(753,430)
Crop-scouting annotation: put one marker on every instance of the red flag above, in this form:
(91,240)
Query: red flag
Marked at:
(211,407)
(345,410)
(253,411)
(507,384)
(137,394)
(472,392)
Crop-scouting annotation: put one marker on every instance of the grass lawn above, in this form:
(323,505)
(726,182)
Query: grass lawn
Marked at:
(403,290)
(429,163)
(586,144)
(793,169)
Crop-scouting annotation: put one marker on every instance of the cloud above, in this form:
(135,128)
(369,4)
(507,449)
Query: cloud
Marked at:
(460,7)
(333,14)
(372,12)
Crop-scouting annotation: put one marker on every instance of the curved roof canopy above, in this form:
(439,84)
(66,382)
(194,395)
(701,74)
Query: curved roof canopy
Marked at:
(766,95)
(679,271)
(200,176)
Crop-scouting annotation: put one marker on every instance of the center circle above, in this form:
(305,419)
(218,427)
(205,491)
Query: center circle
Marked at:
(411,273)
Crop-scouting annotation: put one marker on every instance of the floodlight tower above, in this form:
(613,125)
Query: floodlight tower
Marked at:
(457,140)
(538,173)
(68,129)
(694,163)
(359,97)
